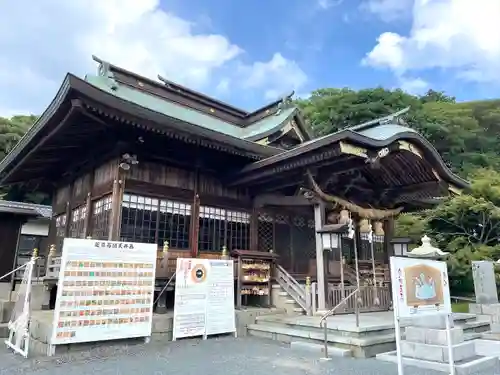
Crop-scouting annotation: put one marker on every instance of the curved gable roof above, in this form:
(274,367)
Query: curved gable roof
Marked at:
(375,134)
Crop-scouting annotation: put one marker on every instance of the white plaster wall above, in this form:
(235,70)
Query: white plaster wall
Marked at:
(36,227)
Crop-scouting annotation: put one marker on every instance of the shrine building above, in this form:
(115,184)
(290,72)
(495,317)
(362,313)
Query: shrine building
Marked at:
(133,159)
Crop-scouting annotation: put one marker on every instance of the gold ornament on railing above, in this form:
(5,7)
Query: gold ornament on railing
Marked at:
(52,251)
(344,217)
(35,253)
(271,251)
(364,226)
(165,247)
(308,281)
(379,228)
(224,251)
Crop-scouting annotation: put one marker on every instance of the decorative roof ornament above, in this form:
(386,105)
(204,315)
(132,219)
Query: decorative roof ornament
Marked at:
(104,70)
(426,250)
(285,102)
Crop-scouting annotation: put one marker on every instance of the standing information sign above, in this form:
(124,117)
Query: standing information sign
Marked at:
(190,298)
(220,316)
(105,291)
(204,298)
(420,288)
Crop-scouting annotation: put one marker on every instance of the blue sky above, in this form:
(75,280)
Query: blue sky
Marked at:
(251,52)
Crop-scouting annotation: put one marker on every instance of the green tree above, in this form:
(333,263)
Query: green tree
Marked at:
(11,131)
(468,227)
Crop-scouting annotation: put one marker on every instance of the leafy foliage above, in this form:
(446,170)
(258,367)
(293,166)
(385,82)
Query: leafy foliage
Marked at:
(11,131)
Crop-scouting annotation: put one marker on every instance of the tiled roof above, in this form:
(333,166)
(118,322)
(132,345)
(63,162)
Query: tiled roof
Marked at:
(25,209)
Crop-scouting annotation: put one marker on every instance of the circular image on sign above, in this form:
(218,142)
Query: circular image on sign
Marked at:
(198,273)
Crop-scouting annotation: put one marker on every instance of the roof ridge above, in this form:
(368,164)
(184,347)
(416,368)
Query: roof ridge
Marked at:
(378,121)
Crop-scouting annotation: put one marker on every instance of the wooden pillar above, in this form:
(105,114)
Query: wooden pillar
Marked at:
(116,205)
(195,214)
(388,235)
(254,230)
(87,230)
(319,217)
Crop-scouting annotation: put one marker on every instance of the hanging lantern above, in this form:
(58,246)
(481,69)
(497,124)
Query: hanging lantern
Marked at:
(379,228)
(364,226)
(344,217)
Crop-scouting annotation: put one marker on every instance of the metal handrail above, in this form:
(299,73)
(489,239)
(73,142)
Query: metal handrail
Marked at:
(323,321)
(330,312)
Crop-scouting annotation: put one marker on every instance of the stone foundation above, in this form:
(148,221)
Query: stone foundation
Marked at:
(41,331)
(426,346)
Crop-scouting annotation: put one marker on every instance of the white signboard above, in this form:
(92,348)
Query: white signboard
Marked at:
(204,298)
(105,291)
(419,287)
(220,316)
(190,298)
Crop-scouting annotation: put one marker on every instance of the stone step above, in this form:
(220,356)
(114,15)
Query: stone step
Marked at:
(5,310)
(361,347)
(473,365)
(320,349)
(4,330)
(474,326)
(299,322)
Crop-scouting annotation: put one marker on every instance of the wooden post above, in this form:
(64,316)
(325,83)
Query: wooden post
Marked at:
(195,226)
(319,217)
(254,229)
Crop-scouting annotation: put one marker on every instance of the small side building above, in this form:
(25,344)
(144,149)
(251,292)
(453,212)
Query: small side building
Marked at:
(23,227)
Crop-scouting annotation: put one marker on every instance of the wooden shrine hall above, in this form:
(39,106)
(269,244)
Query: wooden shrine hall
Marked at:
(133,159)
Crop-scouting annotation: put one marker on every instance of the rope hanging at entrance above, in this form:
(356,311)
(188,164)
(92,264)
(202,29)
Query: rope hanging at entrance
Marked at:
(366,213)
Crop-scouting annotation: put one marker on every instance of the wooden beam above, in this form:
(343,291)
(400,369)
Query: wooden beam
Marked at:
(280,200)
(74,105)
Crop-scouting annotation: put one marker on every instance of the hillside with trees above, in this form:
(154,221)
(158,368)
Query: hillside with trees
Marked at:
(466,134)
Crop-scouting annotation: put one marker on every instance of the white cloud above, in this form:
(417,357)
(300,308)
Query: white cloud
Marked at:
(388,10)
(272,73)
(42,41)
(416,86)
(458,35)
(326,4)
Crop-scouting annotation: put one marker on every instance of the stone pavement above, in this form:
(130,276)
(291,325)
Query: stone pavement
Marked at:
(216,356)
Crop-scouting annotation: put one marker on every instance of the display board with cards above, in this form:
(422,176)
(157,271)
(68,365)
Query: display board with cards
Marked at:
(105,291)
(204,298)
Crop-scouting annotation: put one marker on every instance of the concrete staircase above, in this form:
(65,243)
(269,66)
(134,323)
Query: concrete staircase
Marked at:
(5,314)
(344,338)
(282,300)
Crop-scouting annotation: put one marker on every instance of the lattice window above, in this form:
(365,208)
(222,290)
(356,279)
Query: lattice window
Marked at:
(101,212)
(174,224)
(139,218)
(77,224)
(265,232)
(238,230)
(291,237)
(60,231)
(219,227)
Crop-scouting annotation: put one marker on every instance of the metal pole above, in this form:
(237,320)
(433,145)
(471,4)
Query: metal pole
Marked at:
(356,308)
(356,260)
(376,301)
(342,260)
(326,337)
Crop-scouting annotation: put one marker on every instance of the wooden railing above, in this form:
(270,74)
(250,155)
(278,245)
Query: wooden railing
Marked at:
(369,298)
(292,287)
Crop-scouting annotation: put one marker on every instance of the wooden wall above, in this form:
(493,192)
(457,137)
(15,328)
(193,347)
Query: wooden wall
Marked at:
(10,225)
(159,180)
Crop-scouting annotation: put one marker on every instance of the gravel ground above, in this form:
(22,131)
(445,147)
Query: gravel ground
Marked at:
(217,356)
